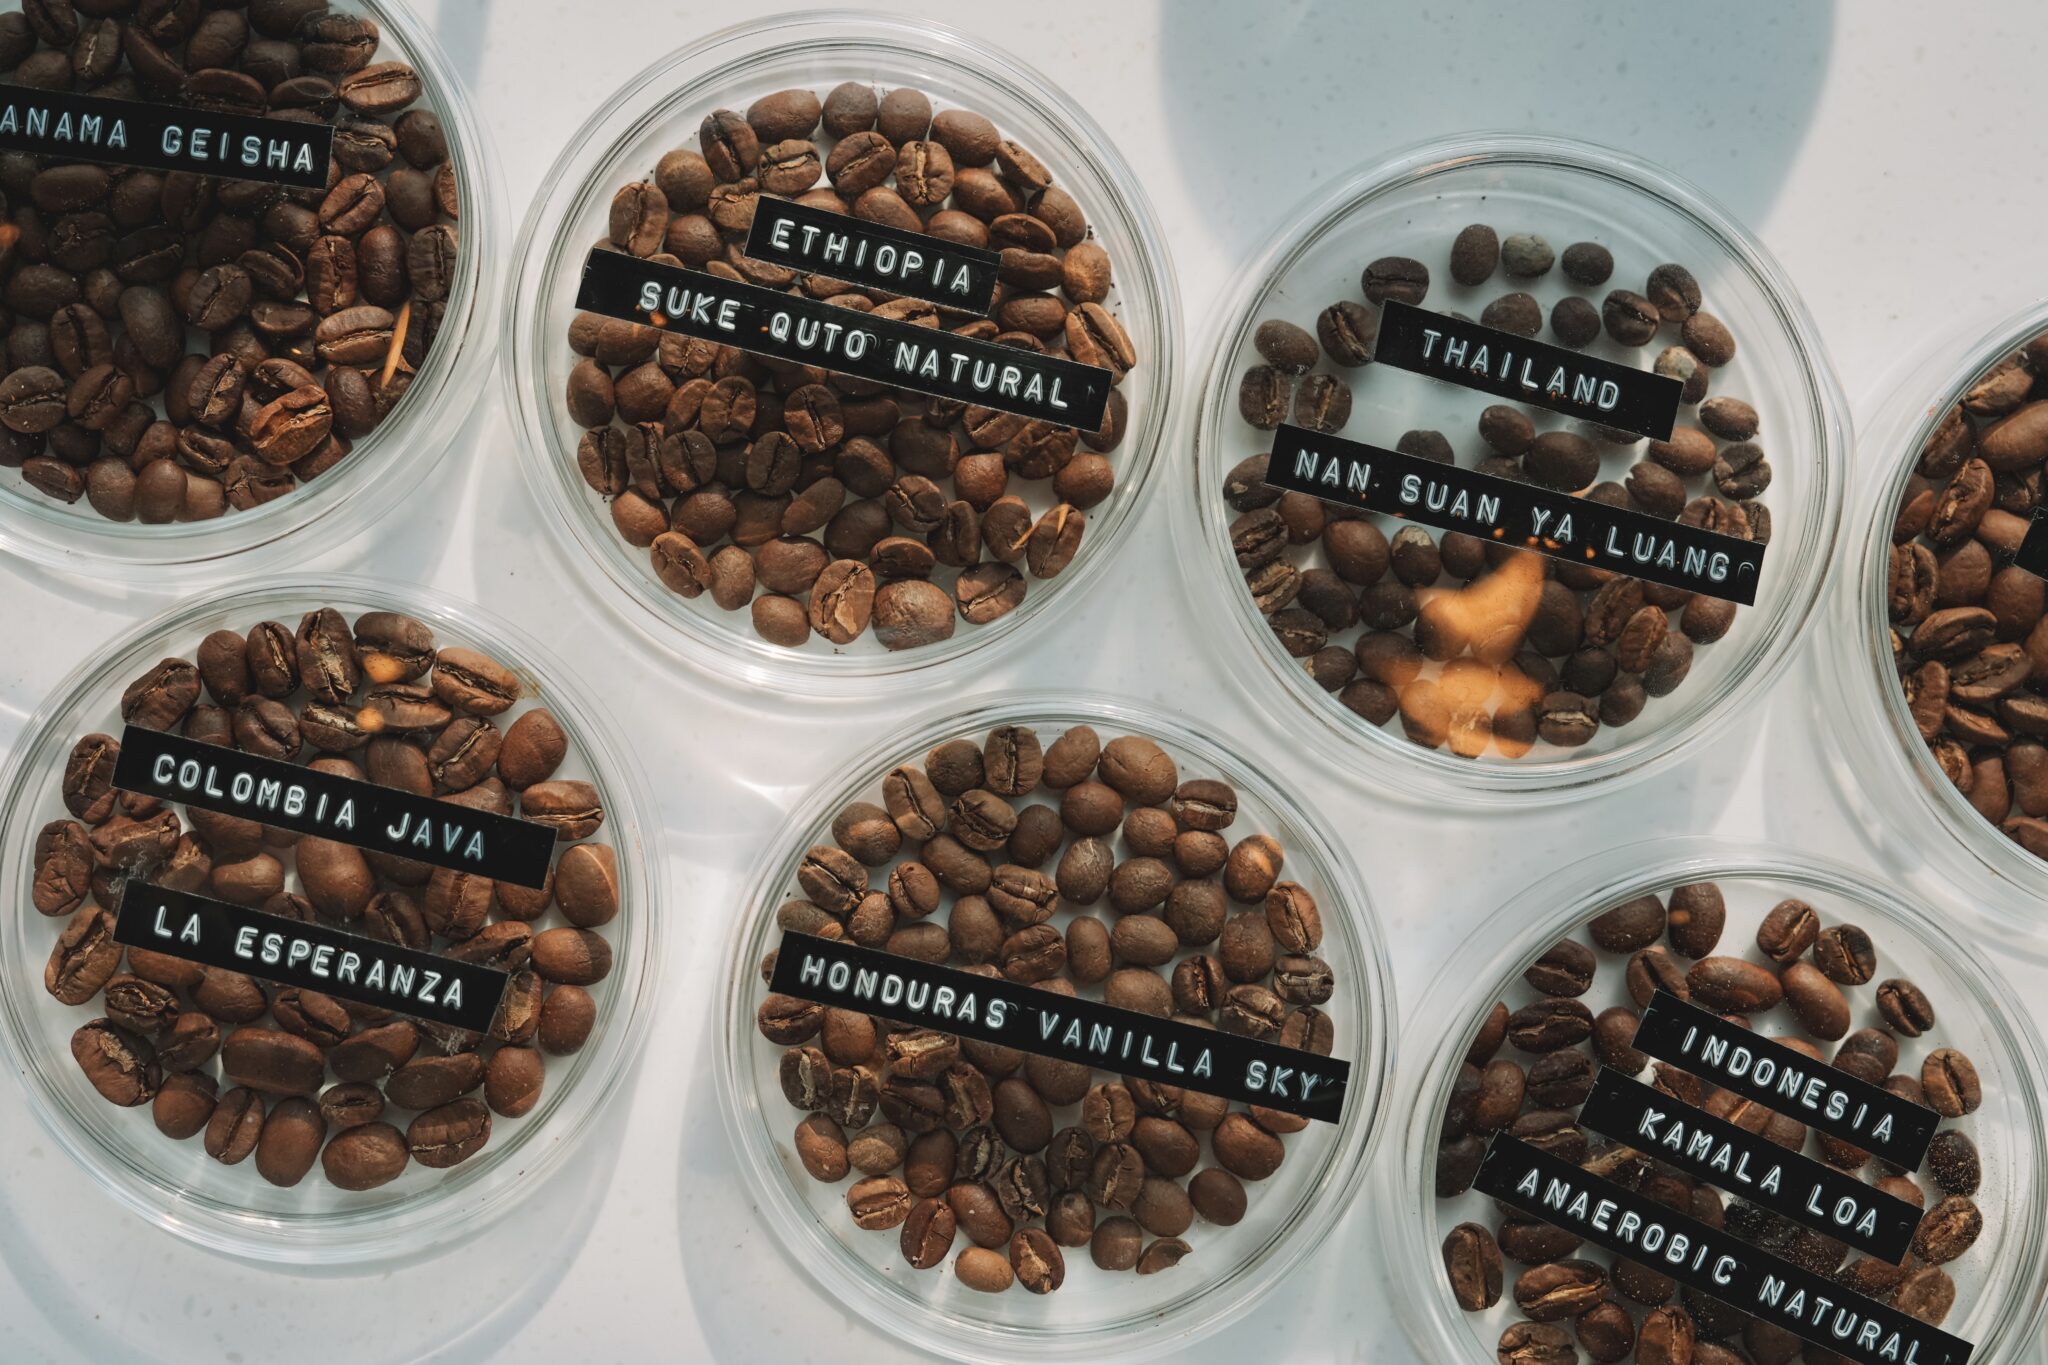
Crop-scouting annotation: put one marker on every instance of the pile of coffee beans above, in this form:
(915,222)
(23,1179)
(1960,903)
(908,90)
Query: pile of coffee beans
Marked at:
(1968,632)
(826,504)
(1021,1156)
(1818,973)
(1477,647)
(180,345)
(293,1076)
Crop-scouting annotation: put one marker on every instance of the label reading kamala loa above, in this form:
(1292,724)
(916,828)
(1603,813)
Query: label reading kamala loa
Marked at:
(315,957)
(344,809)
(806,331)
(848,976)
(1526,370)
(164,137)
(1352,474)
(1749,1166)
(873,255)
(1758,1068)
(1711,1260)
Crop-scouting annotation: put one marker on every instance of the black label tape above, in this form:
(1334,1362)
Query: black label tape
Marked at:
(1711,1260)
(1352,474)
(1526,370)
(314,957)
(873,255)
(848,976)
(807,331)
(1749,1166)
(1758,1068)
(2032,554)
(164,137)
(286,796)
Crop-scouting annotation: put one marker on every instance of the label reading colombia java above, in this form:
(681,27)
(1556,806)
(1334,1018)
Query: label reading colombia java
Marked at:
(164,137)
(307,801)
(1749,1165)
(848,976)
(807,331)
(315,957)
(873,255)
(1711,1260)
(1818,1095)
(1526,370)
(1352,474)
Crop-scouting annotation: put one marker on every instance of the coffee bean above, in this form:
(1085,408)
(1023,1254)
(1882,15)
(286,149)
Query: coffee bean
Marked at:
(1472,1261)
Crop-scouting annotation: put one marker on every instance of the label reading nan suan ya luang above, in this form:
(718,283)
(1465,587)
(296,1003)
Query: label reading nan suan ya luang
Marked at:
(807,331)
(1560,525)
(164,137)
(873,255)
(1486,359)
(316,957)
(328,806)
(992,1010)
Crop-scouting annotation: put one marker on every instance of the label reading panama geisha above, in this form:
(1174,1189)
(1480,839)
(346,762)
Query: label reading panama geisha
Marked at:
(164,137)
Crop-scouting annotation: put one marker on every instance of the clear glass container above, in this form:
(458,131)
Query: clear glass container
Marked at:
(1999,1281)
(659,110)
(1096,1315)
(382,468)
(175,1185)
(1413,204)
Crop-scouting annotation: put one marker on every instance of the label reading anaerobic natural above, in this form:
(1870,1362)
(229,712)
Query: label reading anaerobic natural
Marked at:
(873,255)
(1352,474)
(992,1010)
(164,137)
(1711,1260)
(1749,1166)
(1526,370)
(306,801)
(806,331)
(1758,1068)
(316,957)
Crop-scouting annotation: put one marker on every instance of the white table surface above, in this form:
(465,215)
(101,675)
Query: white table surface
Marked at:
(1895,165)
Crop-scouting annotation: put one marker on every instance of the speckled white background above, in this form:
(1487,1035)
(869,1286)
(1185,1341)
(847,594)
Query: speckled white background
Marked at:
(1890,156)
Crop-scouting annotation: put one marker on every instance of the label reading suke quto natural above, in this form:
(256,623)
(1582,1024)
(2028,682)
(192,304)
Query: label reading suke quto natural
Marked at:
(344,809)
(806,331)
(164,137)
(848,976)
(1713,1261)
(1821,1096)
(1505,365)
(1560,525)
(1749,1166)
(873,255)
(315,957)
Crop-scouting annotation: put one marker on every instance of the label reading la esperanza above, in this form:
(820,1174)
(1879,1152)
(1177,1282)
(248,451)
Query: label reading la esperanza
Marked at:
(806,331)
(1560,525)
(1505,365)
(286,796)
(164,137)
(318,957)
(873,255)
(846,975)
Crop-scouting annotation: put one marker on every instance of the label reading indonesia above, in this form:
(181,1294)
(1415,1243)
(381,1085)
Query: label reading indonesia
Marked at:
(348,811)
(807,331)
(164,137)
(873,255)
(848,976)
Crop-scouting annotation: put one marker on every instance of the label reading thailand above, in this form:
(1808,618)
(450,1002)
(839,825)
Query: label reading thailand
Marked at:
(1352,474)
(1749,1165)
(314,957)
(848,976)
(806,331)
(873,255)
(1526,370)
(1711,1260)
(2032,555)
(164,137)
(1818,1095)
(306,801)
